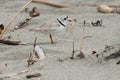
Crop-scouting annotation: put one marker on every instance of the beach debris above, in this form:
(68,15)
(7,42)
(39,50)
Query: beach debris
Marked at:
(107,9)
(8,37)
(12,75)
(26,9)
(118,62)
(113,55)
(39,55)
(107,48)
(73,52)
(32,14)
(98,4)
(14,17)
(97,55)
(97,23)
(33,75)
(116,10)
(94,52)
(81,55)
(30,60)
(1,28)
(8,42)
(54,4)
(61,60)
(51,39)
(85,23)
(104,8)
(85,37)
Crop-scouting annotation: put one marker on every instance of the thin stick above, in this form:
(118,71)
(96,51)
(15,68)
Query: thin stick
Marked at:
(34,44)
(82,41)
(73,52)
(55,4)
(11,75)
(30,60)
(51,39)
(8,42)
(81,45)
(14,17)
(33,75)
(96,4)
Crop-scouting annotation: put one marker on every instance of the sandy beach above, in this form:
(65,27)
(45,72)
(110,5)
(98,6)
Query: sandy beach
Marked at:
(89,68)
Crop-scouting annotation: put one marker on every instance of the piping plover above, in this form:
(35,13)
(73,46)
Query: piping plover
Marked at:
(53,26)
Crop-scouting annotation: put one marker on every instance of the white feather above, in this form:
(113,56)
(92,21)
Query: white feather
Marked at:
(40,53)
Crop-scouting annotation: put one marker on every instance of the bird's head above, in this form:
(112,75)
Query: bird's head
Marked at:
(63,21)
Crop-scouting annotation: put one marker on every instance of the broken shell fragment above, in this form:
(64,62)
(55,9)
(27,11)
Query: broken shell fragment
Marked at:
(34,12)
(1,28)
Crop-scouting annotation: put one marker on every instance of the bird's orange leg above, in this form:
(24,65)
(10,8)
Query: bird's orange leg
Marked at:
(51,39)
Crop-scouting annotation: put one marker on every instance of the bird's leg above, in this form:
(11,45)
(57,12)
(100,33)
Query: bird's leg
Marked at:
(51,39)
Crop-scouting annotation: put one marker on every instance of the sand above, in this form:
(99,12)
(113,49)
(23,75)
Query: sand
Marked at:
(90,68)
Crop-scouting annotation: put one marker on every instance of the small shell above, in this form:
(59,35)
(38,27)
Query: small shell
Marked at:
(104,9)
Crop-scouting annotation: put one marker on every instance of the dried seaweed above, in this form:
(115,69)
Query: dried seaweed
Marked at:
(113,55)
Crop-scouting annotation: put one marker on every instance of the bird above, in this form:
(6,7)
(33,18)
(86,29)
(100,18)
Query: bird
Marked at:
(52,27)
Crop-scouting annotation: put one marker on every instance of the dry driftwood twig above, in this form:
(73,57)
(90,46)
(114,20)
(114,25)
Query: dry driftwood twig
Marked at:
(1,28)
(11,75)
(30,60)
(14,17)
(97,4)
(33,75)
(55,4)
(8,42)
(32,14)
(73,52)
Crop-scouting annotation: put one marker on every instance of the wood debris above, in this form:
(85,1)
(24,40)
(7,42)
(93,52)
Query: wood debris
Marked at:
(113,55)
(14,17)
(104,8)
(55,4)
(30,60)
(97,23)
(33,75)
(1,28)
(38,55)
(8,42)
(81,55)
(73,52)
(118,62)
(11,75)
(32,14)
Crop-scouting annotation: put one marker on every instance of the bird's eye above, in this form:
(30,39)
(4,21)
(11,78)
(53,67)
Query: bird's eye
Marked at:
(66,18)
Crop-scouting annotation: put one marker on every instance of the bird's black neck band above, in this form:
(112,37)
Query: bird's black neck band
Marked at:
(60,22)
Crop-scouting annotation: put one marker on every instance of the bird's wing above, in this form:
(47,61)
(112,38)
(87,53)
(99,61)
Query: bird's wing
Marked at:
(50,25)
